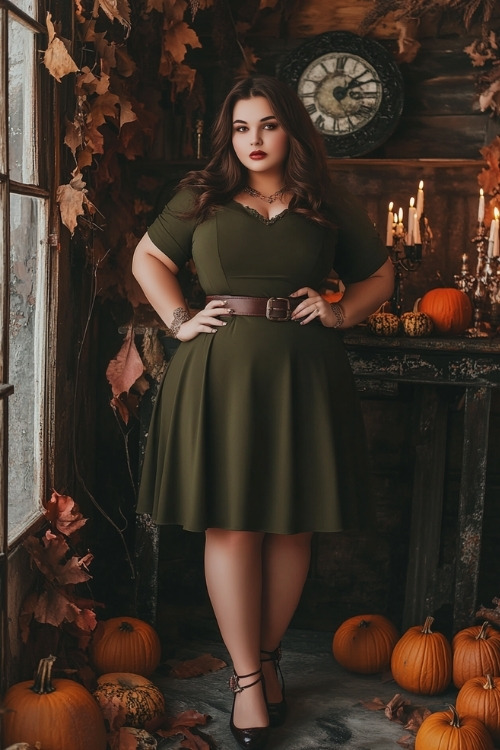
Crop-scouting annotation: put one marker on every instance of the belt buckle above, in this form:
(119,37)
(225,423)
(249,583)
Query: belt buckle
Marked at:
(271,307)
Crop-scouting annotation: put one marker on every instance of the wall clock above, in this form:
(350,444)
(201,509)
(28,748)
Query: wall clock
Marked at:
(351,87)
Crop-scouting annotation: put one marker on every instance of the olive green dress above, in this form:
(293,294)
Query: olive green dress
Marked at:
(257,427)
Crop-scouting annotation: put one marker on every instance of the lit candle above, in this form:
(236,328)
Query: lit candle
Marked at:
(416,229)
(400,228)
(480,210)
(420,199)
(411,221)
(389,235)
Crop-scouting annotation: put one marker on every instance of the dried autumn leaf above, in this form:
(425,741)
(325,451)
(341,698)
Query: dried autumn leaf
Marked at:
(167,726)
(153,354)
(72,199)
(203,664)
(73,137)
(126,367)
(176,39)
(116,10)
(182,78)
(64,514)
(56,57)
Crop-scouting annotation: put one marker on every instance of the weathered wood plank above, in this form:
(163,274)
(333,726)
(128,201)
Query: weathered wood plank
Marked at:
(471,504)
(429,437)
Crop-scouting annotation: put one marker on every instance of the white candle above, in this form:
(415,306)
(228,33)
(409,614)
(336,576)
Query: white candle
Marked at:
(411,221)
(491,239)
(496,237)
(420,199)
(389,234)
(400,228)
(416,229)
(480,210)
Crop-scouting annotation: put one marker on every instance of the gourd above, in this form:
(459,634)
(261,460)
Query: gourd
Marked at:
(57,713)
(450,309)
(125,644)
(480,697)
(476,652)
(383,323)
(417,323)
(421,661)
(364,643)
(132,698)
(446,730)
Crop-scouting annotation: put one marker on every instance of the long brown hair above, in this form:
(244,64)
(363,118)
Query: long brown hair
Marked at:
(306,174)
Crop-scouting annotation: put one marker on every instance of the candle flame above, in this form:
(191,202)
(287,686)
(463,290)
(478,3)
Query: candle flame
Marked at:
(421,185)
(391,204)
(481,192)
(400,214)
(496,212)
(395,218)
(412,202)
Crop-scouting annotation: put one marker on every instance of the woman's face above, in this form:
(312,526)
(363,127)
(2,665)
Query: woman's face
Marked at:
(259,141)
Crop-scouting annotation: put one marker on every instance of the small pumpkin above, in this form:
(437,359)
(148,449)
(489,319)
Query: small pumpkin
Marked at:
(56,713)
(480,697)
(416,324)
(446,730)
(128,699)
(125,644)
(421,661)
(364,643)
(476,652)
(383,324)
(450,309)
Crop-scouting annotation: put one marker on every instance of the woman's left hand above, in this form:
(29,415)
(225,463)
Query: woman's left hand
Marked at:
(312,308)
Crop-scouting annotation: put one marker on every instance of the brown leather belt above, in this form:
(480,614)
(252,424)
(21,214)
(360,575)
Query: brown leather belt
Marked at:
(277,309)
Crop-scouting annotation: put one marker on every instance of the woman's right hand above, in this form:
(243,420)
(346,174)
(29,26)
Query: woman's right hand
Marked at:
(205,321)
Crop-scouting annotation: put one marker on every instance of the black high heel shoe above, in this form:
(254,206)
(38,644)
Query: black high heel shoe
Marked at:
(277,711)
(255,738)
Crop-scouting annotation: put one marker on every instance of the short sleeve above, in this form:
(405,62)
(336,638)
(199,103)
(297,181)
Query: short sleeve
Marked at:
(171,232)
(359,250)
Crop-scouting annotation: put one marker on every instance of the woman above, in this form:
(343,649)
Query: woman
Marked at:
(257,437)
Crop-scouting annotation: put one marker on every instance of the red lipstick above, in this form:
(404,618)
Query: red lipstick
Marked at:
(258,154)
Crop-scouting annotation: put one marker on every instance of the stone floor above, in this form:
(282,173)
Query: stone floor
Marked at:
(326,710)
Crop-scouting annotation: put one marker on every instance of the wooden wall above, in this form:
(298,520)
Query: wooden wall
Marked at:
(438,140)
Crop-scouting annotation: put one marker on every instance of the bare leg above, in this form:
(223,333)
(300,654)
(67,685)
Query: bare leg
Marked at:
(286,559)
(233,571)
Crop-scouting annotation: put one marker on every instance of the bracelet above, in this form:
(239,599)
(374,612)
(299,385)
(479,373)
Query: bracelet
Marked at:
(338,312)
(181,316)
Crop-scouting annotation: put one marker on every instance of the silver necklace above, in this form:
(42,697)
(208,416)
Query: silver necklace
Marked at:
(267,198)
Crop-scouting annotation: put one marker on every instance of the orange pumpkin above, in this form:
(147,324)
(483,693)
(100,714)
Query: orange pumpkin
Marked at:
(476,652)
(364,643)
(450,309)
(128,699)
(57,713)
(125,644)
(446,730)
(421,661)
(480,697)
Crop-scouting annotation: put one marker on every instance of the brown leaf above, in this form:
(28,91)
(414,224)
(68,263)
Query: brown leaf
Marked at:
(407,741)
(56,57)
(126,368)
(203,664)
(71,199)
(194,741)
(168,726)
(73,137)
(375,704)
(177,38)
(116,10)
(63,513)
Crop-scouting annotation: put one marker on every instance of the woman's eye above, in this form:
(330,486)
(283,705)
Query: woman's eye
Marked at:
(271,125)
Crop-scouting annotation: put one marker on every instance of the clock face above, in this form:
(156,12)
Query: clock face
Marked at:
(351,87)
(341,92)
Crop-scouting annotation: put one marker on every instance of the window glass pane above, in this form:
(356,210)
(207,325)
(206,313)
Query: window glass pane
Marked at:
(27,339)
(28,6)
(22,115)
